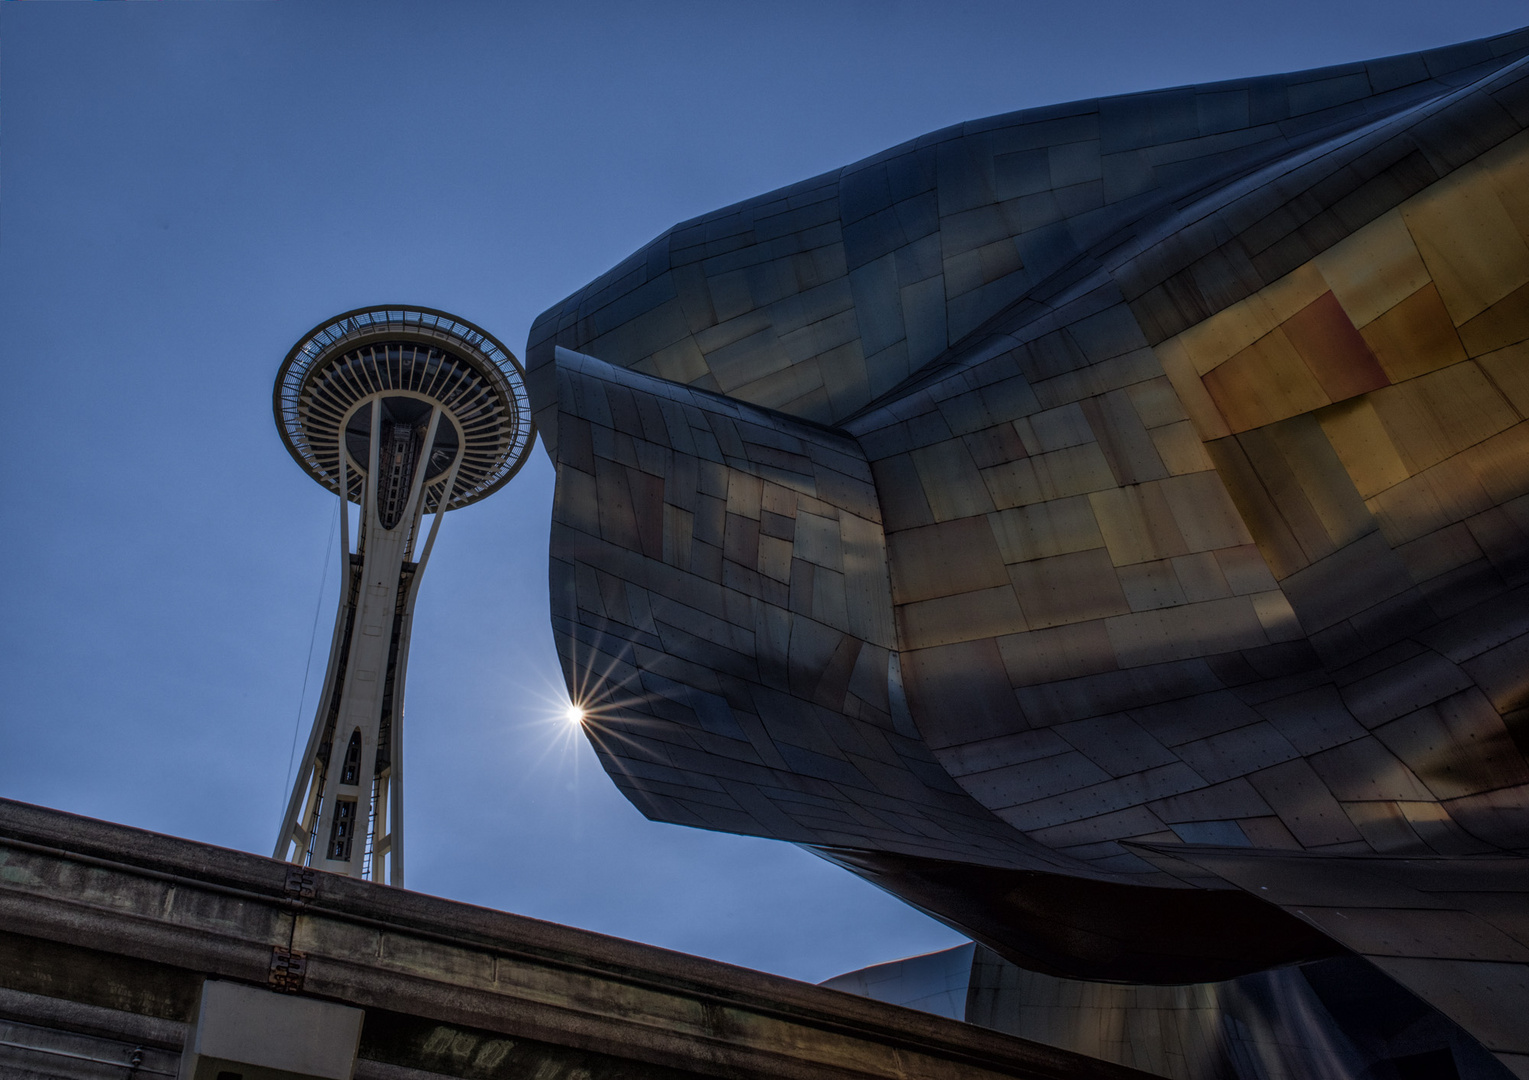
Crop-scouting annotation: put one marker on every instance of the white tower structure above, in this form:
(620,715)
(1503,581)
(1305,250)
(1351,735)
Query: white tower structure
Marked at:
(406,412)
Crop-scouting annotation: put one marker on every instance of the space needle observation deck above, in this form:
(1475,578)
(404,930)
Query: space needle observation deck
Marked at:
(408,413)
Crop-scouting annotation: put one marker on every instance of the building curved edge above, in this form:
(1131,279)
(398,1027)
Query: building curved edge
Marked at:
(818,297)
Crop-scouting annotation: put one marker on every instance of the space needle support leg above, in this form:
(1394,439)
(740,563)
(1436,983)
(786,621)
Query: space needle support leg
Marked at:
(344,512)
(446,493)
(395,789)
(418,487)
(297,823)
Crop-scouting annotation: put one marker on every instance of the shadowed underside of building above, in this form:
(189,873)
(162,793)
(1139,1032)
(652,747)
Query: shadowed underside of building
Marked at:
(1105,526)
(1336,1019)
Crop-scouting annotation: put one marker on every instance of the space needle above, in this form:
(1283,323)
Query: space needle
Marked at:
(408,413)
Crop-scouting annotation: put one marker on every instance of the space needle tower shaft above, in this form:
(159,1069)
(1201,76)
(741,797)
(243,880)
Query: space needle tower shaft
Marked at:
(406,413)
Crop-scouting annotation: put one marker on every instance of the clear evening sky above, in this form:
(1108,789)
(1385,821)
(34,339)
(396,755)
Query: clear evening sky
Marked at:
(186,188)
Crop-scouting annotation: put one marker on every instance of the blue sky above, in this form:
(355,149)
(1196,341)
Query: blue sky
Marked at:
(186,188)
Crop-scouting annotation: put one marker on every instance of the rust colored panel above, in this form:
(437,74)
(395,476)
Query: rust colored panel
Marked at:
(1333,349)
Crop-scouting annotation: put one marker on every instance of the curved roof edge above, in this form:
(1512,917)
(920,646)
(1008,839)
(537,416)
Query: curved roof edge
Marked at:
(875,269)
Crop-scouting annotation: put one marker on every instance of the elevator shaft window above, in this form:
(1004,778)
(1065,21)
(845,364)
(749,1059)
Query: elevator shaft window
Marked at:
(343,830)
(350,772)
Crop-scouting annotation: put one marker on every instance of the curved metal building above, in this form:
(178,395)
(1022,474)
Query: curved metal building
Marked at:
(1105,526)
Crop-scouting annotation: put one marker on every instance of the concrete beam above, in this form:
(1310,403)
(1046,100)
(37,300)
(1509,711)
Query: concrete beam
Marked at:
(130,924)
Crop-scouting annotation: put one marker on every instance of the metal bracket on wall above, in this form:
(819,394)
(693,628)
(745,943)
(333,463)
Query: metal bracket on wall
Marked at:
(302,883)
(287,969)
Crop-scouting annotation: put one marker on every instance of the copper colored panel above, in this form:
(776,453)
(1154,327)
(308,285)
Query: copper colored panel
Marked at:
(1304,804)
(1068,588)
(1245,569)
(1415,337)
(618,522)
(1139,523)
(961,693)
(1151,585)
(1201,578)
(745,493)
(1360,439)
(1060,652)
(1123,438)
(950,480)
(1468,240)
(1442,413)
(1204,514)
(1509,371)
(1273,535)
(995,445)
(1197,402)
(1305,484)
(948,619)
(1332,348)
(1375,268)
(1180,448)
(945,559)
(1265,382)
(1156,402)
(1046,528)
(903,505)
(1504,323)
